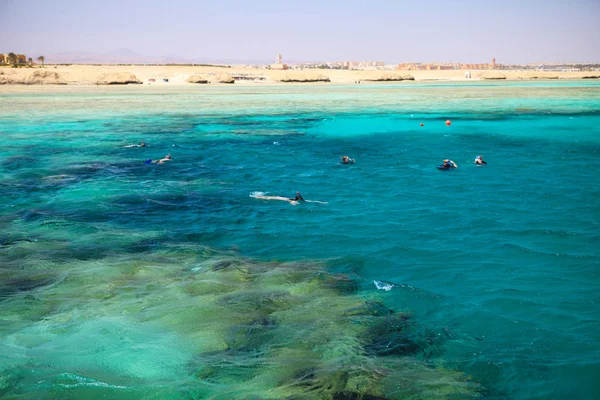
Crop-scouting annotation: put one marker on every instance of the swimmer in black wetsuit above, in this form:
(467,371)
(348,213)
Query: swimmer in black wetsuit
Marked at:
(298,197)
(479,160)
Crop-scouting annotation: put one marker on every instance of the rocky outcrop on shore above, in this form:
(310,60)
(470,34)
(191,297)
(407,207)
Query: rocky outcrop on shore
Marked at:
(118,78)
(492,75)
(224,78)
(197,79)
(34,78)
(389,77)
(303,77)
(45,78)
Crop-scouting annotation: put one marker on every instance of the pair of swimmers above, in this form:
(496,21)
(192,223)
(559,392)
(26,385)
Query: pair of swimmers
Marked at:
(448,164)
(161,161)
(296,200)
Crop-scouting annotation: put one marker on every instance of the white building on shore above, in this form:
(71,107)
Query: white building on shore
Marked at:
(279,63)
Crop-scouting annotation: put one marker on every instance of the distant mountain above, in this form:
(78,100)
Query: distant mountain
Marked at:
(122,53)
(128,56)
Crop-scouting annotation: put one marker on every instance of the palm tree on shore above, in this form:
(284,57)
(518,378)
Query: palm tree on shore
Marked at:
(41,59)
(30,61)
(12,58)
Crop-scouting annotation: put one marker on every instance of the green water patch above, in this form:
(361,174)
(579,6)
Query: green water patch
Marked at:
(192,322)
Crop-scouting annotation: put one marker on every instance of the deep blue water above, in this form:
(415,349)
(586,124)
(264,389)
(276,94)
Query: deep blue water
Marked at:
(503,258)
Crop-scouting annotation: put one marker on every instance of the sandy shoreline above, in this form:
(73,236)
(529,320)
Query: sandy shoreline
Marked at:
(86,75)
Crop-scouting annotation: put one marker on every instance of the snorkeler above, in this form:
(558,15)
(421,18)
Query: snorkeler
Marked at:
(298,197)
(167,158)
(479,160)
(161,161)
(347,160)
(448,164)
(295,201)
(143,144)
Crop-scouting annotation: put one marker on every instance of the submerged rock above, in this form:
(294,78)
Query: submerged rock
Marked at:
(355,396)
(342,284)
(222,265)
(371,308)
(256,301)
(398,334)
(10,284)
(252,335)
(257,330)
(11,240)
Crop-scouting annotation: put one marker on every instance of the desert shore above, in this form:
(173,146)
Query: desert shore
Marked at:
(182,75)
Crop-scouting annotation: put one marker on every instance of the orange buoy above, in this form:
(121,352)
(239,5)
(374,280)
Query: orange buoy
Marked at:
(448,122)
(422,125)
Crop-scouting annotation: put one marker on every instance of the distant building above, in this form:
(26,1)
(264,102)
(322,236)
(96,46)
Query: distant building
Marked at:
(445,66)
(279,63)
(21,59)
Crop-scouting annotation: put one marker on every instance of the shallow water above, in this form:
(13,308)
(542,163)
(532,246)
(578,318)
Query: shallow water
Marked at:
(126,280)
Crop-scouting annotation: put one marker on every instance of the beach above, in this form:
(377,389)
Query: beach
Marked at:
(129,280)
(178,75)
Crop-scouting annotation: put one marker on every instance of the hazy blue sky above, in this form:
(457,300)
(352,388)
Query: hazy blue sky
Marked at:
(513,31)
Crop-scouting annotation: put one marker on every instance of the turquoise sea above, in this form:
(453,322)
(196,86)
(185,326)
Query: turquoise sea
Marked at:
(125,280)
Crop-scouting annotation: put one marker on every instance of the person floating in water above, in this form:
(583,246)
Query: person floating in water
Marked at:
(143,144)
(298,197)
(448,164)
(293,201)
(161,161)
(347,160)
(167,158)
(479,160)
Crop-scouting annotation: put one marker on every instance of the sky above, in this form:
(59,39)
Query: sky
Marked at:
(470,31)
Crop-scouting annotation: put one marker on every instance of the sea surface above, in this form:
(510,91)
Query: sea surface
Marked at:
(126,280)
